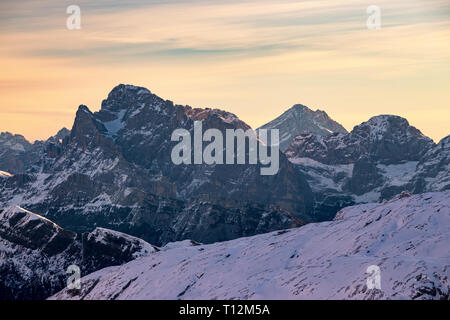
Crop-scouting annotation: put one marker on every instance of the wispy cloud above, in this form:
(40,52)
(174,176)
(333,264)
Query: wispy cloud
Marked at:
(215,27)
(242,55)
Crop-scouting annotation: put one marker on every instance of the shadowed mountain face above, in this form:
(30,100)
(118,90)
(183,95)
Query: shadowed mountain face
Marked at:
(115,171)
(300,119)
(35,253)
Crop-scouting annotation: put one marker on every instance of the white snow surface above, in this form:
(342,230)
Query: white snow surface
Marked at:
(116,125)
(398,174)
(322,176)
(407,238)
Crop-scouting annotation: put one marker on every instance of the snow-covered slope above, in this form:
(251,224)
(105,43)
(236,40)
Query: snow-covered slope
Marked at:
(407,238)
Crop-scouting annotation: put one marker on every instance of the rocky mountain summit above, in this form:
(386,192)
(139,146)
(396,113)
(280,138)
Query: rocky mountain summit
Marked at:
(385,139)
(300,119)
(114,170)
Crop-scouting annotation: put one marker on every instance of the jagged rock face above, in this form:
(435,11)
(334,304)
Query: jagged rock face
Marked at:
(147,123)
(35,253)
(300,119)
(406,238)
(19,156)
(115,171)
(377,160)
(14,152)
(365,176)
(433,170)
(15,142)
(388,140)
(385,139)
(61,134)
(136,126)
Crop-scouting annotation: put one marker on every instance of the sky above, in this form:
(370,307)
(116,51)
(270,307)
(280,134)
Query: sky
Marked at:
(253,58)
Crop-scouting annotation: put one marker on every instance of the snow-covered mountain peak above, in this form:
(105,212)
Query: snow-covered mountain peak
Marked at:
(298,107)
(379,126)
(121,91)
(382,123)
(124,97)
(384,118)
(299,119)
(84,108)
(385,138)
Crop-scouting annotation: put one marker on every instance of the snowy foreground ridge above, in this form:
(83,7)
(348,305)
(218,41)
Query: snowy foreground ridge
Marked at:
(408,238)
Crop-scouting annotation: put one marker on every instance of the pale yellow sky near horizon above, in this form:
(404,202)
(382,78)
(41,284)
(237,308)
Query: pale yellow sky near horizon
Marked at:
(253,58)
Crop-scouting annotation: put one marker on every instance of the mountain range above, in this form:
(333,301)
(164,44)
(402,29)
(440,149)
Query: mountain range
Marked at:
(114,170)
(111,175)
(407,238)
